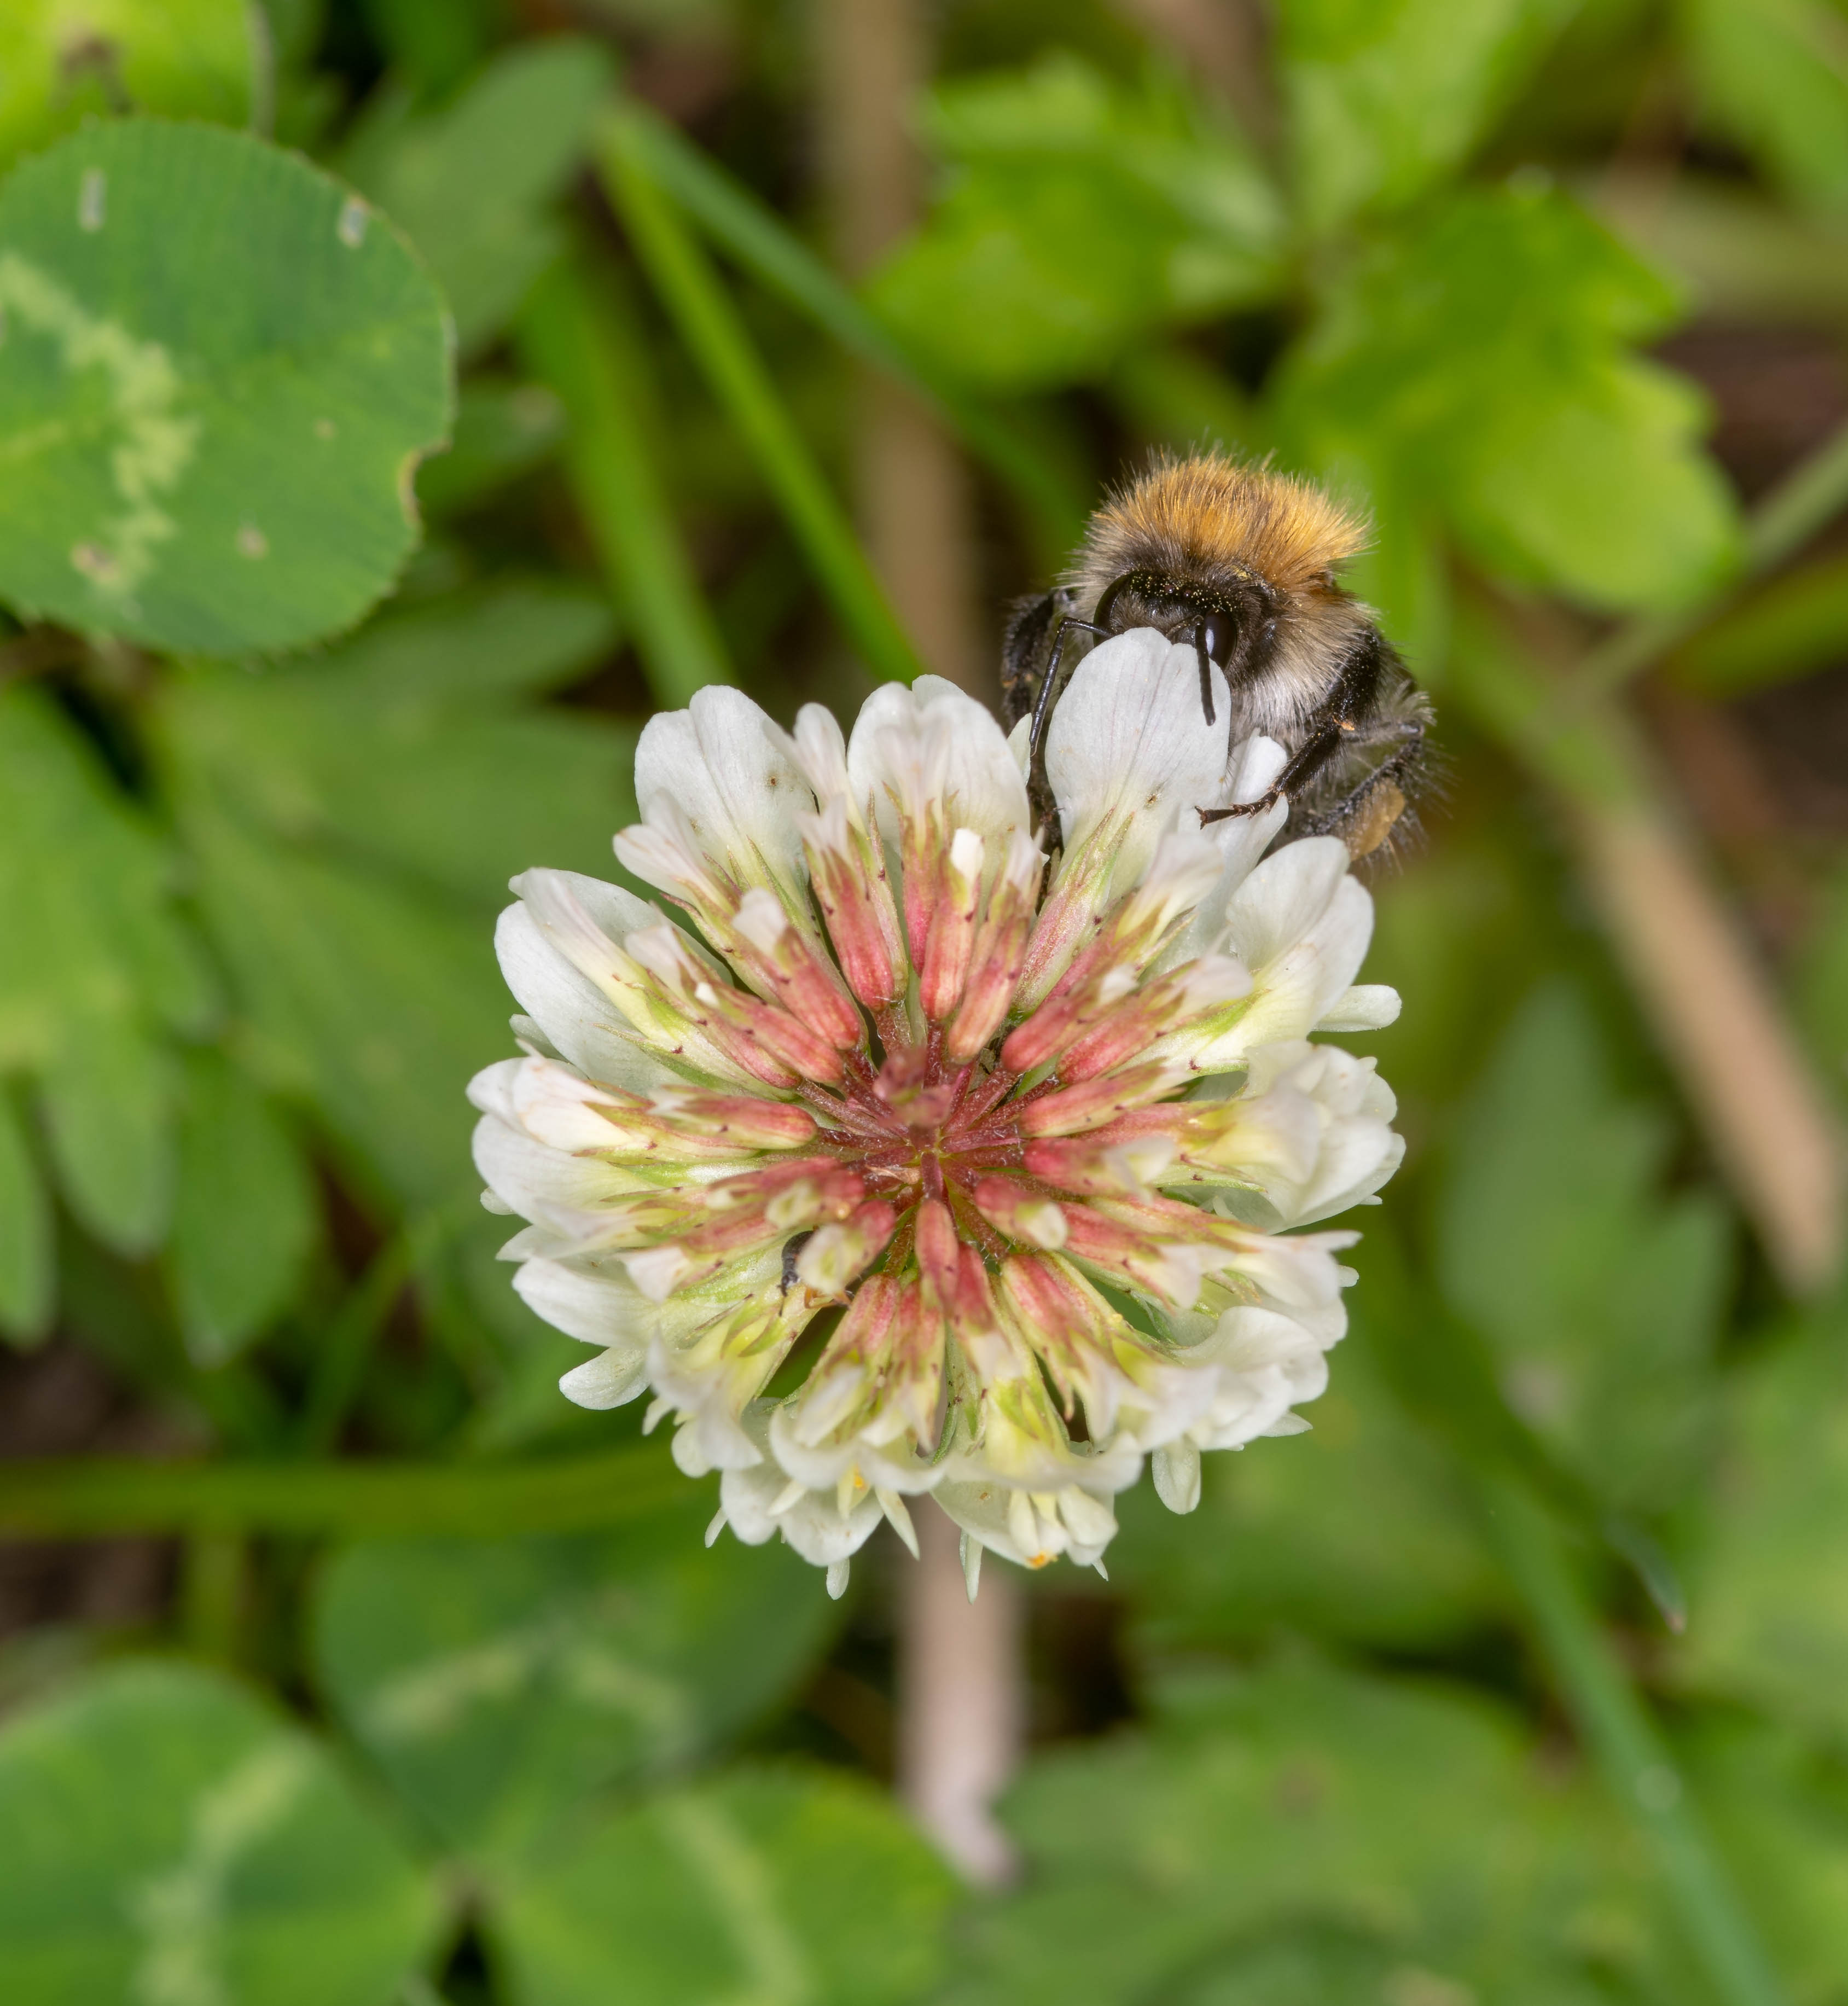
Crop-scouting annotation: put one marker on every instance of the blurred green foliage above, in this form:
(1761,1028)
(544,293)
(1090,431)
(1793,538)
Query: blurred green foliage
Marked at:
(1083,216)
(63,61)
(254,827)
(192,471)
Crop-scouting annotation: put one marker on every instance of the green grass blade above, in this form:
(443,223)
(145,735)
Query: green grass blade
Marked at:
(1628,1749)
(709,326)
(340,1360)
(98,1496)
(1796,626)
(1808,499)
(574,335)
(753,234)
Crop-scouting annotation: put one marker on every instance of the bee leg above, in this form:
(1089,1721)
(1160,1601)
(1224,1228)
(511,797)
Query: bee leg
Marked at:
(1315,753)
(1363,827)
(1037,783)
(1355,689)
(1036,743)
(1205,669)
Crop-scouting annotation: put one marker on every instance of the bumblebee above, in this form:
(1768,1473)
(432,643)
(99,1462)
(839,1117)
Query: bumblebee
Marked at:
(1241,562)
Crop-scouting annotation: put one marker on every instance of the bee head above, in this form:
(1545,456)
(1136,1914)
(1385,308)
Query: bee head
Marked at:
(1231,621)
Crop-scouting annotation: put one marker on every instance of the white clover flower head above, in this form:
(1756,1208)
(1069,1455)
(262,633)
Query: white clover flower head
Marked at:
(1032,1136)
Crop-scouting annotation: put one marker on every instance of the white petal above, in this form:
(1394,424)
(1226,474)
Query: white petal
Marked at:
(595,1309)
(1358,1158)
(609,1380)
(1241,841)
(574,1011)
(1312,1132)
(1369,1006)
(1010,1521)
(1255,764)
(1285,896)
(1343,1083)
(1127,740)
(556,1105)
(657,1271)
(821,751)
(798,1442)
(933,740)
(1303,929)
(1257,1339)
(531,1035)
(1280,1140)
(491,1089)
(710,1440)
(1090,1520)
(814,1524)
(544,1184)
(726,772)
(1177,1476)
(585,919)
(899,1518)
(1299,1272)
(1264,1361)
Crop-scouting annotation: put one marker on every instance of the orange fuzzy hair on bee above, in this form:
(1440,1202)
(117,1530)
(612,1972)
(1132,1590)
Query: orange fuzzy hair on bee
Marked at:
(1208,515)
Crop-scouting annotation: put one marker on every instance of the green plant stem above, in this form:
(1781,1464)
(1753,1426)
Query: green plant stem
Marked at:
(340,1358)
(1801,504)
(1793,626)
(214,1575)
(102,1497)
(575,334)
(709,326)
(753,234)
(1629,1748)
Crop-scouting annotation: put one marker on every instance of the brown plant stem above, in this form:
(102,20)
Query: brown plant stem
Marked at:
(1225,42)
(1722,1028)
(961,1703)
(912,485)
(1696,977)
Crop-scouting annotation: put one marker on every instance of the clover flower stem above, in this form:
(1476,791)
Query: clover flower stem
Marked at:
(1629,1748)
(962,1699)
(960,1677)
